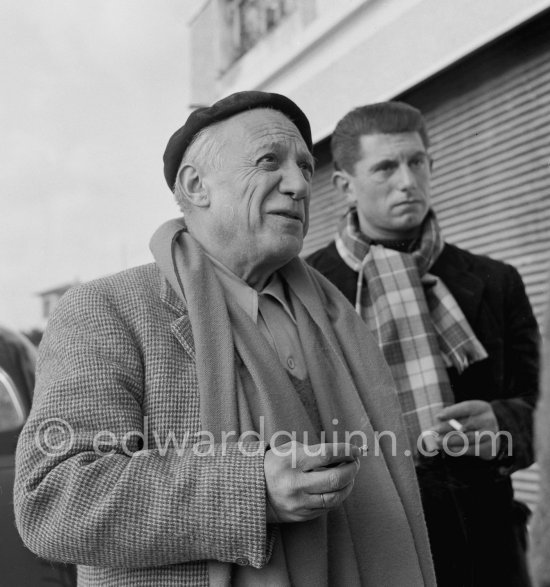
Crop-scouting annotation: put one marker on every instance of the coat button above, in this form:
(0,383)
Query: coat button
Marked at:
(290,362)
(243,561)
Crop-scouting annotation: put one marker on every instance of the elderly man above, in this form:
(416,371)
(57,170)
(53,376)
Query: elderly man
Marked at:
(199,420)
(458,333)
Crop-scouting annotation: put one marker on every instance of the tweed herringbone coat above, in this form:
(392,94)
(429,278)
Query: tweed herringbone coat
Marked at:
(118,357)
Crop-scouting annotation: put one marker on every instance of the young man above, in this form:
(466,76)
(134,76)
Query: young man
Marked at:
(458,333)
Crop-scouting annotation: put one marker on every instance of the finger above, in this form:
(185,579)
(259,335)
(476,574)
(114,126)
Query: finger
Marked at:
(446,427)
(329,480)
(459,411)
(317,456)
(466,409)
(460,451)
(332,500)
(457,439)
(452,425)
(309,506)
(474,449)
(356,452)
(486,421)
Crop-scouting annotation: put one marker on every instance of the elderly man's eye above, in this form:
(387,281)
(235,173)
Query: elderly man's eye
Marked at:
(269,158)
(306,168)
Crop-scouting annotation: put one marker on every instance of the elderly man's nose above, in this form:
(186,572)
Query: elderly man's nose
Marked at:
(293,182)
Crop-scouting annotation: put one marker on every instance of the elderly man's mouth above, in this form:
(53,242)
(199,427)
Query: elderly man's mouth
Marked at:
(289,215)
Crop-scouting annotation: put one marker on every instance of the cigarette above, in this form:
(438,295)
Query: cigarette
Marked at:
(430,442)
(456,425)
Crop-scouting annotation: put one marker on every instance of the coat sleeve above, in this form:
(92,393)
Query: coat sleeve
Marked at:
(84,491)
(514,411)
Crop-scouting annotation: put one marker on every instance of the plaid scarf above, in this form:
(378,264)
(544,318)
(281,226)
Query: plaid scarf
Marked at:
(418,324)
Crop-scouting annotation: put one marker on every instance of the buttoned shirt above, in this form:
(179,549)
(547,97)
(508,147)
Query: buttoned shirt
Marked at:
(271,311)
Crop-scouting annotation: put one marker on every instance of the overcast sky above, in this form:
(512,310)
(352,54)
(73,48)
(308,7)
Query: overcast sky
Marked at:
(91,91)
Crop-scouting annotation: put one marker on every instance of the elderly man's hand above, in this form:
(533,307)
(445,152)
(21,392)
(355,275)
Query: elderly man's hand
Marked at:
(301,487)
(479,429)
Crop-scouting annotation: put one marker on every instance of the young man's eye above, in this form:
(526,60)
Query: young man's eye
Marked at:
(386,167)
(418,162)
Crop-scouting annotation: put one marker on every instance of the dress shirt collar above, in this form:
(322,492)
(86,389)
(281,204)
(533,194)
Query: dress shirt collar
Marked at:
(246,296)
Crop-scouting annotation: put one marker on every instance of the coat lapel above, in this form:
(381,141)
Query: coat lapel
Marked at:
(181,326)
(466,287)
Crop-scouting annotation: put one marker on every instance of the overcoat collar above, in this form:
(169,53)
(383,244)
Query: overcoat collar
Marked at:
(455,272)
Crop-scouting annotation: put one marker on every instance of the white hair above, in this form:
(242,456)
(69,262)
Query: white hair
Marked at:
(204,153)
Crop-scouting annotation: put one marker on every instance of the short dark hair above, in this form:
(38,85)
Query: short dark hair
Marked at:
(381,118)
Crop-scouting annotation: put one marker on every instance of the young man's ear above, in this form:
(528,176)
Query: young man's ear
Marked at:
(341,182)
(193,186)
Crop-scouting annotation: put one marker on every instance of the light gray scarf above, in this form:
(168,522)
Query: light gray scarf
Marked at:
(379,536)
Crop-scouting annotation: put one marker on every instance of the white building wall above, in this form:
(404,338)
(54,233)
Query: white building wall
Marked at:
(315,54)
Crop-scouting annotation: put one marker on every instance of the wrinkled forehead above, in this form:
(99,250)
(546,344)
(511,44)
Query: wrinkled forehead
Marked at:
(261,126)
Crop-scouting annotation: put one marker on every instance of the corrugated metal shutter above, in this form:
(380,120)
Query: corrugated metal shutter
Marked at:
(491,192)
(325,209)
(489,123)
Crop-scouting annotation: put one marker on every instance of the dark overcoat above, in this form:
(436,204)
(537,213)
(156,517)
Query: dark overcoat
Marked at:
(477,530)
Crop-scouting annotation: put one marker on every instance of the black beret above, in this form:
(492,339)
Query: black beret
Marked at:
(225,108)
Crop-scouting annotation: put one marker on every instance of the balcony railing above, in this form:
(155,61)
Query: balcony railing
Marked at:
(248,21)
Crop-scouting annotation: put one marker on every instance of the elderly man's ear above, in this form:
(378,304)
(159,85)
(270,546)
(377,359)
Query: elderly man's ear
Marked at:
(193,187)
(341,181)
